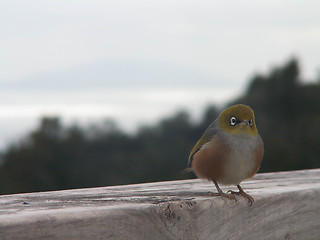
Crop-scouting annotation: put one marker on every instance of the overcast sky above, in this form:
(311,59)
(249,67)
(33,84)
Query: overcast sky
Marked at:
(91,57)
(217,40)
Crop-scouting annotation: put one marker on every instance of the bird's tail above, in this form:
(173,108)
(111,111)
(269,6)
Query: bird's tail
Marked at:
(186,170)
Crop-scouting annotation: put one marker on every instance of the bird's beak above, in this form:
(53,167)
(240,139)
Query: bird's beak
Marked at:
(244,123)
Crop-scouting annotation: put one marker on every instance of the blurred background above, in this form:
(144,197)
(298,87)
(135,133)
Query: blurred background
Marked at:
(97,93)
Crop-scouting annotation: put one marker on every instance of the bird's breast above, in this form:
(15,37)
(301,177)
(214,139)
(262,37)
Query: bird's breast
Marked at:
(228,159)
(244,158)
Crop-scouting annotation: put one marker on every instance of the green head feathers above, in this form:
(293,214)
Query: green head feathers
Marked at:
(238,120)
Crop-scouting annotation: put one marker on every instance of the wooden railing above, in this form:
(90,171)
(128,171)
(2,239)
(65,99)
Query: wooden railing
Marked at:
(287,206)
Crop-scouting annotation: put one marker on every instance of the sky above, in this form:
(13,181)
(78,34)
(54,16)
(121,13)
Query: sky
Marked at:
(138,61)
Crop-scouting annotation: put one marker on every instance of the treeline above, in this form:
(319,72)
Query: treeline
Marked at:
(59,157)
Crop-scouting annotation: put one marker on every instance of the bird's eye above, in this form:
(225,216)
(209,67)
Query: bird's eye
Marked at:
(250,122)
(233,121)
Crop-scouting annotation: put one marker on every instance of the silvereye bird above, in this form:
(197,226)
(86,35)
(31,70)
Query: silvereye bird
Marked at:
(229,151)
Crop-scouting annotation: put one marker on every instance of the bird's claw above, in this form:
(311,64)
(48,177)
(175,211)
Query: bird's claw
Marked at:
(244,194)
(222,194)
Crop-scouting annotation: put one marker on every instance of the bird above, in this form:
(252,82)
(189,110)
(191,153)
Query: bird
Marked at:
(229,151)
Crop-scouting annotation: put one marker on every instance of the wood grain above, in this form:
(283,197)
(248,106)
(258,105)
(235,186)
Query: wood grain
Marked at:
(286,207)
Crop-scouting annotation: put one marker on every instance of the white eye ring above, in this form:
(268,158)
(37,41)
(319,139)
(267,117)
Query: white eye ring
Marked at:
(250,122)
(233,121)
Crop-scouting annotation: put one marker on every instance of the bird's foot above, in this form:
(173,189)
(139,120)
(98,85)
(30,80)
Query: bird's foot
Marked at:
(244,194)
(222,194)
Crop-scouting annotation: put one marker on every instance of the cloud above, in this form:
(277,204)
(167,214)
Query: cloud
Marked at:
(225,38)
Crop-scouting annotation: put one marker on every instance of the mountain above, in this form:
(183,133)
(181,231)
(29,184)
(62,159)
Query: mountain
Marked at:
(106,74)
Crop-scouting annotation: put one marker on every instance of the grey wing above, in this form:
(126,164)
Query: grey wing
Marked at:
(212,129)
(206,137)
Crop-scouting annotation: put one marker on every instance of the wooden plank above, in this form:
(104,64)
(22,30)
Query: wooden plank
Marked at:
(286,207)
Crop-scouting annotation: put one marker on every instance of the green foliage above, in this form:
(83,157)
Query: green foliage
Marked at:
(55,157)
(59,157)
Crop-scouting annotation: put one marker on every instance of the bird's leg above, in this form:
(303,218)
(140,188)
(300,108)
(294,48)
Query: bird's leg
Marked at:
(243,193)
(222,194)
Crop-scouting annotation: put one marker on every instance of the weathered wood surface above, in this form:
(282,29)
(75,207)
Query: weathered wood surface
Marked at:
(286,206)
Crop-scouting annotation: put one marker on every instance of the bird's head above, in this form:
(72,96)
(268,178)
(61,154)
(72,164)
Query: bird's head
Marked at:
(238,120)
